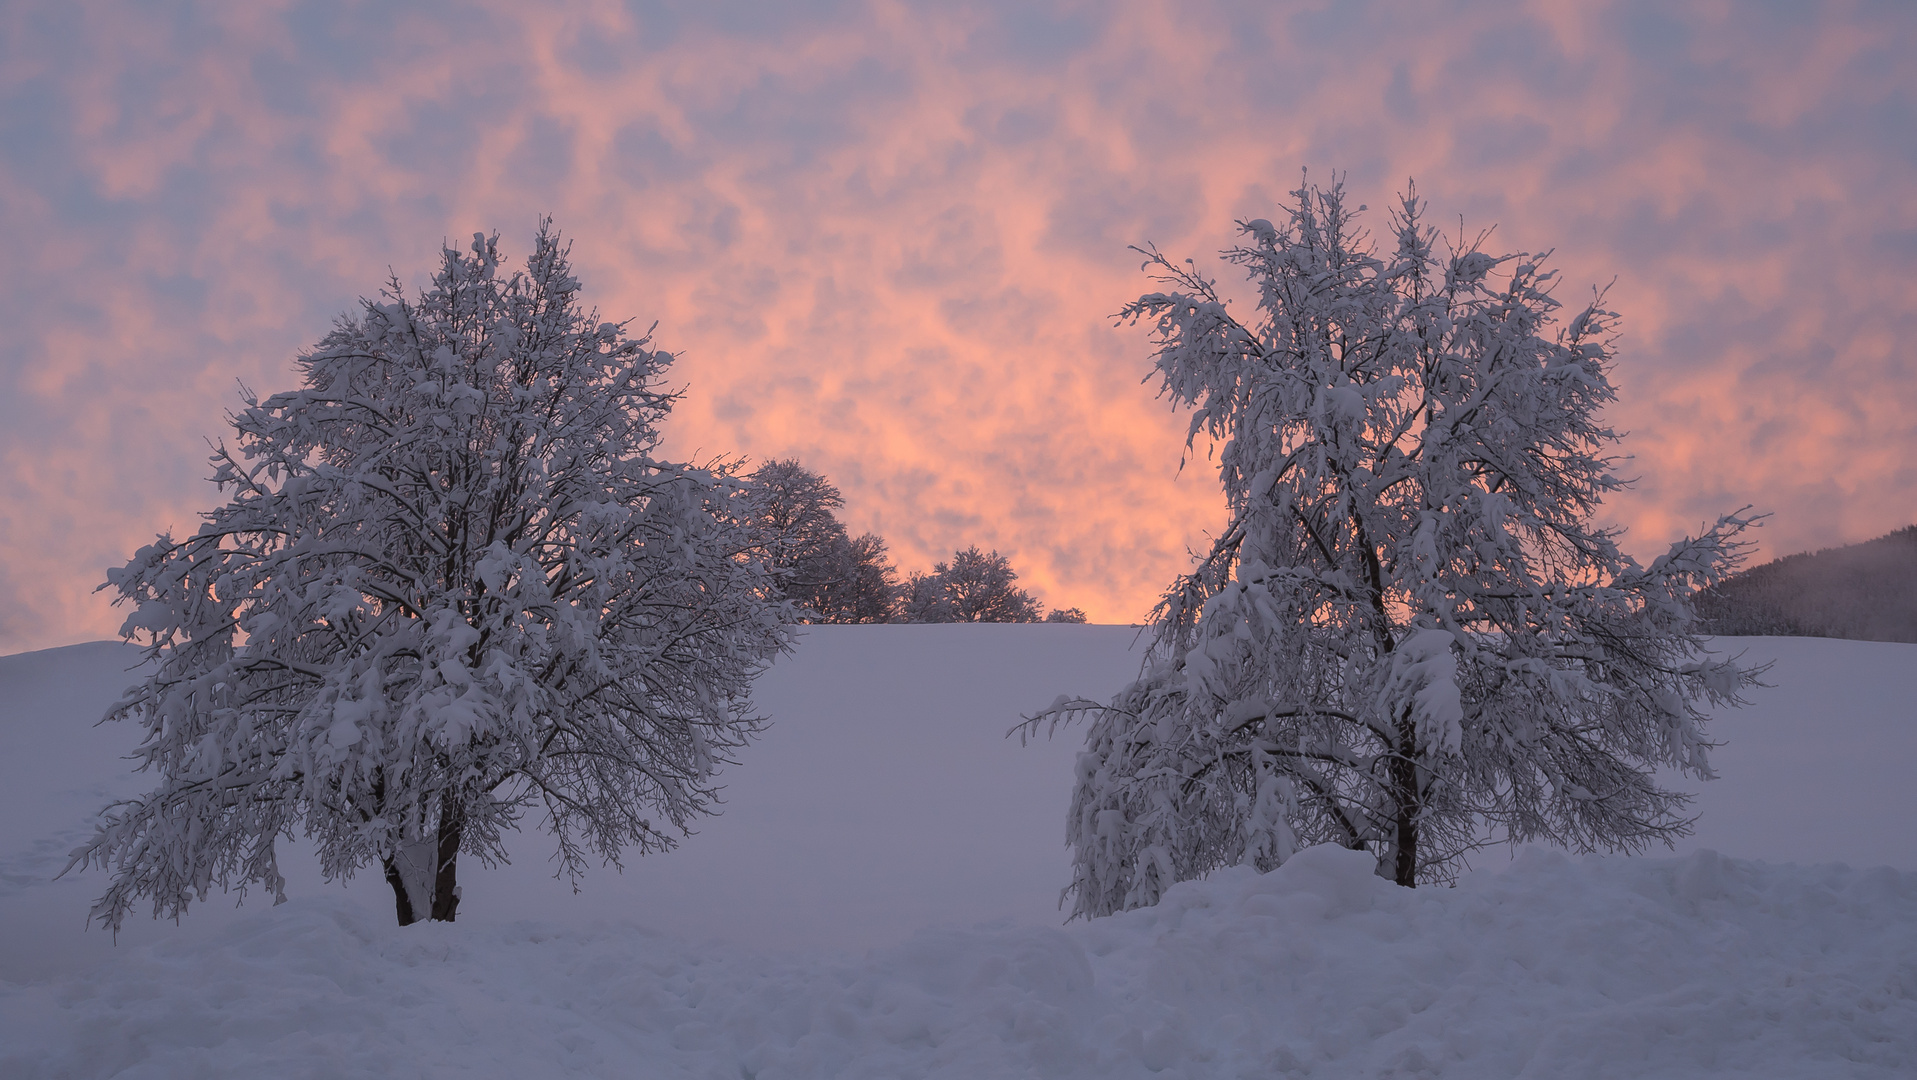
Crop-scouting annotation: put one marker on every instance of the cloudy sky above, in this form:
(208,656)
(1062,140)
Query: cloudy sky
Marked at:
(888,237)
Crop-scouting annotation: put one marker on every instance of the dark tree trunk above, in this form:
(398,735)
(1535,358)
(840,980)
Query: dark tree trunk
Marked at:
(446,877)
(400,899)
(1404,792)
(444,904)
(1405,870)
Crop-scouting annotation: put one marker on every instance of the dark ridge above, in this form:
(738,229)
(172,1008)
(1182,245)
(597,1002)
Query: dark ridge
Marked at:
(1864,592)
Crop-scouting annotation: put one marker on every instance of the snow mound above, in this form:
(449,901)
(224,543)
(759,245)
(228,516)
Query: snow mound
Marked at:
(1550,967)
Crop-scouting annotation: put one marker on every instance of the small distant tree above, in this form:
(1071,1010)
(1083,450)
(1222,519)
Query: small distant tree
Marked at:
(452,582)
(830,576)
(976,586)
(1065,615)
(857,583)
(796,509)
(1411,638)
(923,599)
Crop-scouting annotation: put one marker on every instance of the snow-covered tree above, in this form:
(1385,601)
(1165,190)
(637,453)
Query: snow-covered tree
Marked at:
(452,584)
(1411,638)
(857,582)
(796,509)
(976,586)
(830,576)
(922,599)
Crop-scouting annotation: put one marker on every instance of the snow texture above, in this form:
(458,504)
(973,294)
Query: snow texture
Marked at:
(883,800)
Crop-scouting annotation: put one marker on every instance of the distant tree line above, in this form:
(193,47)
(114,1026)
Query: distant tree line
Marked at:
(1863,592)
(835,577)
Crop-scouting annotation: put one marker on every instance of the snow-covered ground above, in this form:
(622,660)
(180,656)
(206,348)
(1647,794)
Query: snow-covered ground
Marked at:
(879,900)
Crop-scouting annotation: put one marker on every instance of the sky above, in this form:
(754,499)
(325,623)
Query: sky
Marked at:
(888,238)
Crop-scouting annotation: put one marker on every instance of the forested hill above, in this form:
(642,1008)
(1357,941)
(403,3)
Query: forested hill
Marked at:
(1865,592)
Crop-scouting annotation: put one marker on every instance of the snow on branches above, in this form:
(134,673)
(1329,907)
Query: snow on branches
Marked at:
(1411,638)
(451,584)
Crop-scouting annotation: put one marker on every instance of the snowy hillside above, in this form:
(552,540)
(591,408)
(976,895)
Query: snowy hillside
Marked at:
(829,923)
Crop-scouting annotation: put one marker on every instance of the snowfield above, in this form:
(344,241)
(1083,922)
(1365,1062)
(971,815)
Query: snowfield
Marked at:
(1552,968)
(879,901)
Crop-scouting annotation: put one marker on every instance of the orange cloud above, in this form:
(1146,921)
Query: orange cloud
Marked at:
(887,238)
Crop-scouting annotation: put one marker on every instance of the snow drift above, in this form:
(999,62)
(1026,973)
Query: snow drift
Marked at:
(829,923)
(1552,968)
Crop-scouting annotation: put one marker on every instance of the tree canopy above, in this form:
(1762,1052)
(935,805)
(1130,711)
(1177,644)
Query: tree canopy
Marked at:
(1412,636)
(831,576)
(974,586)
(452,583)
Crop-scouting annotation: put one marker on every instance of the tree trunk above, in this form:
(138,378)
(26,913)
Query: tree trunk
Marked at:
(400,900)
(1404,792)
(1405,871)
(446,877)
(424,873)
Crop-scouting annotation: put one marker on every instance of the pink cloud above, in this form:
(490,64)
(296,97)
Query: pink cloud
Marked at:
(888,238)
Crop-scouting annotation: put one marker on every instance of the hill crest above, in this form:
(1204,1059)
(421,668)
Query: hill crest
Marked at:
(1861,592)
